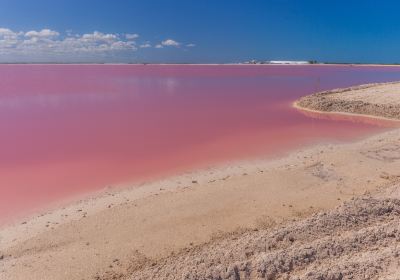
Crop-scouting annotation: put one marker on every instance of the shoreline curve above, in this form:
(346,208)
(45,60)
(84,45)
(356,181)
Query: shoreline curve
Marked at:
(380,101)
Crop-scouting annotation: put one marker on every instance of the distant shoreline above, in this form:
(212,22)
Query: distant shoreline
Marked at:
(205,64)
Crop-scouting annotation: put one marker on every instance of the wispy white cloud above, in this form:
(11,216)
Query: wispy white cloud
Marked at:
(99,37)
(44,33)
(50,42)
(51,45)
(191,45)
(145,45)
(6,33)
(8,38)
(131,36)
(170,43)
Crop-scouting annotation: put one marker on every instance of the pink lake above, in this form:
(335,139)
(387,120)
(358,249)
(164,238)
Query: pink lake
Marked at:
(71,129)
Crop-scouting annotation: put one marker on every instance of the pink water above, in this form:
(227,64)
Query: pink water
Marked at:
(71,129)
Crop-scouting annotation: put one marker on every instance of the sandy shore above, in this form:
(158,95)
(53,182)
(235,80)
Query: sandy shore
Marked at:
(242,220)
(378,100)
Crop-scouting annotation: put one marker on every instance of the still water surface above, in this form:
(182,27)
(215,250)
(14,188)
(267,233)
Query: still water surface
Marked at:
(70,129)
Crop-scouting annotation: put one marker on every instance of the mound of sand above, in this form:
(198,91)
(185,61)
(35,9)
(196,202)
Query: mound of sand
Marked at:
(379,100)
(357,240)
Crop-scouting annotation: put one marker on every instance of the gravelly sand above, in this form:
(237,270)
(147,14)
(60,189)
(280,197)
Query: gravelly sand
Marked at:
(357,240)
(330,211)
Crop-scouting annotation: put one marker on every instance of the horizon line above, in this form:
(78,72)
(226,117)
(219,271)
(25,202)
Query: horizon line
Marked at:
(191,63)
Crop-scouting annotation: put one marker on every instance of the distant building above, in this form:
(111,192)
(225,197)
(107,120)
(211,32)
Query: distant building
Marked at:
(288,62)
(252,62)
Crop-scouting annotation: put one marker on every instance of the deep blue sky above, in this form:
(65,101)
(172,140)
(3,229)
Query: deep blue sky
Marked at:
(222,30)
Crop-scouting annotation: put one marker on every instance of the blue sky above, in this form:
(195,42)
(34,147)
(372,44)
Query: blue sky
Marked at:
(199,31)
